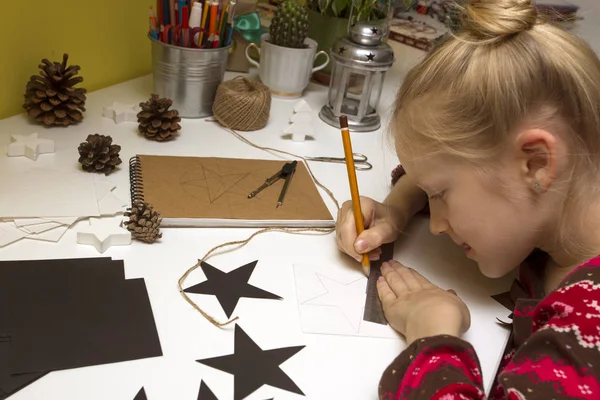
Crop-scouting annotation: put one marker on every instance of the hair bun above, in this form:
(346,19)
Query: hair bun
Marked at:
(496,19)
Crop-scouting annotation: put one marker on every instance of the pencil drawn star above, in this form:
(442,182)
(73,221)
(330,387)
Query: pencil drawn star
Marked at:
(370,57)
(29,146)
(121,112)
(102,234)
(253,367)
(230,287)
(349,299)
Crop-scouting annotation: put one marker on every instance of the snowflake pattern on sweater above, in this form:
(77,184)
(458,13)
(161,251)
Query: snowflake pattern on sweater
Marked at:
(553,351)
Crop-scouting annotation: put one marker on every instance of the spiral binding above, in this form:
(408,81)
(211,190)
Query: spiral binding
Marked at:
(136,184)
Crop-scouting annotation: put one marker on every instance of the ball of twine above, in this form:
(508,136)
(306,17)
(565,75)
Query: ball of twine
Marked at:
(242,104)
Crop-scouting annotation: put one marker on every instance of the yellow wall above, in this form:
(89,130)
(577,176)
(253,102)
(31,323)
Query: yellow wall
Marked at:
(107,38)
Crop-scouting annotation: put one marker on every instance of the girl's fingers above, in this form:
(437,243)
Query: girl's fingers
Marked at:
(386,295)
(424,282)
(395,281)
(410,280)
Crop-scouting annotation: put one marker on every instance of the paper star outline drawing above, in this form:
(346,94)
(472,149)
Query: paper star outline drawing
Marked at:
(102,234)
(29,146)
(349,299)
(253,367)
(230,287)
(120,112)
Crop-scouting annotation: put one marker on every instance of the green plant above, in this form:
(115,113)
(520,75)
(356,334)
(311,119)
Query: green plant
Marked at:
(289,26)
(366,10)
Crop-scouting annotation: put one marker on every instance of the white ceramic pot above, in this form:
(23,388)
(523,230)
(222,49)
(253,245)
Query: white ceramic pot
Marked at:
(284,70)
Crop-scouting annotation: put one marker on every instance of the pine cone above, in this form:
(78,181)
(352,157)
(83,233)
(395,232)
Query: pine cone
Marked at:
(157,121)
(98,154)
(51,98)
(143,222)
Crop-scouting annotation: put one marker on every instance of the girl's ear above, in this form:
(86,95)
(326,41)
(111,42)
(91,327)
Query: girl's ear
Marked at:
(537,154)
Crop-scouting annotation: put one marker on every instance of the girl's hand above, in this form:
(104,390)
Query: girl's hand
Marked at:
(380,227)
(417,308)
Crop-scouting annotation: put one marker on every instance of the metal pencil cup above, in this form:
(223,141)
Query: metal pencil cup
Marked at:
(190,77)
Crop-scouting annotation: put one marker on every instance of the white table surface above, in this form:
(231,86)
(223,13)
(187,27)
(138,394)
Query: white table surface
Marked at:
(330,366)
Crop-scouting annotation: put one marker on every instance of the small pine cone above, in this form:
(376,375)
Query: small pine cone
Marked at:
(51,97)
(98,154)
(143,222)
(157,122)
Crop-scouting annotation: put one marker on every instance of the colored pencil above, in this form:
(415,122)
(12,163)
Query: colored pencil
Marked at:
(203,24)
(358,217)
(212,26)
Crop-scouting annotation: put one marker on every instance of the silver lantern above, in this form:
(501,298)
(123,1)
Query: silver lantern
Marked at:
(360,62)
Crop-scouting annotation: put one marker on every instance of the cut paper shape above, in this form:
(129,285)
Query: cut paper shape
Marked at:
(29,146)
(103,234)
(9,233)
(62,220)
(302,107)
(230,287)
(141,395)
(331,300)
(39,228)
(53,235)
(110,205)
(205,393)
(301,118)
(299,132)
(29,221)
(120,112)
(253,367)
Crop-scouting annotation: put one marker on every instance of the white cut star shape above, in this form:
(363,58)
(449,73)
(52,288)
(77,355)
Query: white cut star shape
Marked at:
(102,234)
(120,112)
(29,146)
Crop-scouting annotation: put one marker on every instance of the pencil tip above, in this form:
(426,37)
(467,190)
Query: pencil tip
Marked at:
(367,271)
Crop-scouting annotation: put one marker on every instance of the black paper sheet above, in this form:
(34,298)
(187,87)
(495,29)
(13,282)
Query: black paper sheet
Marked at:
(58,314)
(253,367)
(230,287)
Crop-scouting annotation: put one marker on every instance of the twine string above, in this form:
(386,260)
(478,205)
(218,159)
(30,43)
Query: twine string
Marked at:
(241,243)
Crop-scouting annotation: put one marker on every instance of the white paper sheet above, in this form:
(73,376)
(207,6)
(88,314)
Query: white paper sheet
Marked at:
(111,205)
(9,233)
(53,235)
(331,300)
(29,221)
(46,193)
(39,228)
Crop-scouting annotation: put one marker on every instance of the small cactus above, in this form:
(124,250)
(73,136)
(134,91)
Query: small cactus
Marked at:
(289,26)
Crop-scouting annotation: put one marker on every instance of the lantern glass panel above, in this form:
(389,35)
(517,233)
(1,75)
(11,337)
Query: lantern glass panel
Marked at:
(377,79)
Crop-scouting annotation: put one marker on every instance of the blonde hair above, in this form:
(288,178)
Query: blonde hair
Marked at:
(504,69)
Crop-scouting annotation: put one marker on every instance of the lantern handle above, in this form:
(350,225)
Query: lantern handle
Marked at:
(320,67)
(250,60)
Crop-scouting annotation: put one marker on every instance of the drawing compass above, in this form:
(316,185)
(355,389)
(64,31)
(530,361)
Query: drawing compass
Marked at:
(284,173)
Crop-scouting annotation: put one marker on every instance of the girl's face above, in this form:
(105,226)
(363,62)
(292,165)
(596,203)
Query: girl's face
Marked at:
(496,230)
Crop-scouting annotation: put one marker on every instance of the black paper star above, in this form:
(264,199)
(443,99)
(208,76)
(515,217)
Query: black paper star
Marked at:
(370,57)
(230,287)
(341,50)
(253,367)
(205,393)
(374,30)
(141,395)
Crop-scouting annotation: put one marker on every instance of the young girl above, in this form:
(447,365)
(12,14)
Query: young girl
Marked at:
(499,129)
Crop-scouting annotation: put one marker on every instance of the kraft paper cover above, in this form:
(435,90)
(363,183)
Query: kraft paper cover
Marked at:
(218,188)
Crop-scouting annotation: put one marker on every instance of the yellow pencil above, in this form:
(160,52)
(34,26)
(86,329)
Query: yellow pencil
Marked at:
(360,226)
(207,5)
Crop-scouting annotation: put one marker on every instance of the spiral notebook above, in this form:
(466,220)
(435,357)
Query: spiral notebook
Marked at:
(213,192)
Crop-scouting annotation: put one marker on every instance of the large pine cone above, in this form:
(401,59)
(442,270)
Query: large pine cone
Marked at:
(98,154)
(143,222)
(157,121)
(51,98)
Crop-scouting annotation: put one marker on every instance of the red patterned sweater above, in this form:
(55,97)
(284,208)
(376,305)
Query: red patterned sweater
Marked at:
(553,351)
